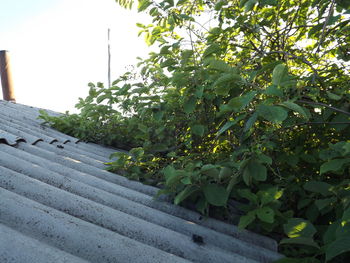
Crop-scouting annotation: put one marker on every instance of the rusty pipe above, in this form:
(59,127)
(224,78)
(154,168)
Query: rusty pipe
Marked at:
(6,77)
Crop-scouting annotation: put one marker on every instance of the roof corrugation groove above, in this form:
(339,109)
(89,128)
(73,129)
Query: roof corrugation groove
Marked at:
(58,204)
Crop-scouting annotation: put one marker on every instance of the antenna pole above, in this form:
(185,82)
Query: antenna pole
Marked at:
(109,60)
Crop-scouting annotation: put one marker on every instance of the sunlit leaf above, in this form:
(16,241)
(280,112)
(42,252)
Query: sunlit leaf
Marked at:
(278,74)
(298,227)
(143,4)
(269,195)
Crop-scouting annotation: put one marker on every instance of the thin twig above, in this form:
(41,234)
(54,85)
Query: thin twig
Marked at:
(325,25)
(324,105)
(321,122)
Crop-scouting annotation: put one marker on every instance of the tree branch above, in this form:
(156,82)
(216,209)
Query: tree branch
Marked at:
(304,60)
(325,25)
(324,105)
(321,122)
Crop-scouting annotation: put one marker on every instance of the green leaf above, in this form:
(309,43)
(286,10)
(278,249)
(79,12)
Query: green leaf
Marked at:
(158,115)
(102,98)
(224,83)
(322,203)
(246,220)
(238,103)
(346,216)
(224,172)
(189,190)
(299,227)
(296,108)
(303,203)
(315,29)
(137,152)
(202,205)
(318,187)
(198,129)
(250,122)
(170,2)
(219,5)
(333,96)
(274,90)
(272,113)
(306,241)
(340,118)
(215,194)
(330,234)
(235,104)
(242,3)
(227,126)
(232,182)
(143,4)
(199,92)
(247,194)
(219,65)
(249,5)
(338,247)
(255,170)
(247,177)
(171,175)
(212,49)
(167,63)
(269,195)
(334,165)
(190,105)
(268,2)
(186,180)
(210,170)
(278,74)
(346,148)
(265,214)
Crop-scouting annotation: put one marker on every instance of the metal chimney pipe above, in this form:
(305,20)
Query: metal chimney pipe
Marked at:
(6,77)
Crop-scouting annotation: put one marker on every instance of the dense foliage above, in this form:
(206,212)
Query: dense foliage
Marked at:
(246,100)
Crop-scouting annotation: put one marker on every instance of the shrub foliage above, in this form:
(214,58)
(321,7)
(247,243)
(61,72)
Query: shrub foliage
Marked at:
(245,100)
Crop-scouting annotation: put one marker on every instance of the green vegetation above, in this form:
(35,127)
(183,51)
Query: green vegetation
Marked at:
(246,100)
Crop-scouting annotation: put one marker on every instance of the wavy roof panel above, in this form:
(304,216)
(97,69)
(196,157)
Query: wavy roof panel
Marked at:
(58,204)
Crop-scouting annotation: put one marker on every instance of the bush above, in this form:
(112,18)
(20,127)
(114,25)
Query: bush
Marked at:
(255,109)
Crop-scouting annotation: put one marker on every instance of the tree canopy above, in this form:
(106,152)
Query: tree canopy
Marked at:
(245,100)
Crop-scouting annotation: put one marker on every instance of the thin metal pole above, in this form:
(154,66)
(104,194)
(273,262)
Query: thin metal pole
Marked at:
(6,77)
(109,60)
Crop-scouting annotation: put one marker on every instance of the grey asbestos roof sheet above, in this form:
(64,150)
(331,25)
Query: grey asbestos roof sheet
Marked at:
(58,204)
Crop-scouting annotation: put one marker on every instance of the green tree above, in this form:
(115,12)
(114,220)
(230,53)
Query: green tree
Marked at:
(246,100)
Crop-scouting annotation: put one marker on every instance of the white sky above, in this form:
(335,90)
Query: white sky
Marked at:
(58,46)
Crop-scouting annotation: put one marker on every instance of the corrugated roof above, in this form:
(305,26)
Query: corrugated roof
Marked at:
(58,204)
